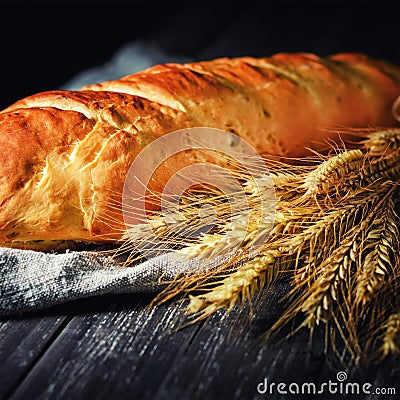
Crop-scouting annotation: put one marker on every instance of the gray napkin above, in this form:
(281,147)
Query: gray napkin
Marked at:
(31,280)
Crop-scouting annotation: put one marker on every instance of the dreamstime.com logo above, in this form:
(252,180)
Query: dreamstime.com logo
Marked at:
(232,154)
(339,386)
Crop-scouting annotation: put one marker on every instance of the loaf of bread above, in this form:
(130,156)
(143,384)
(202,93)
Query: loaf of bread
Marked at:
(64,155)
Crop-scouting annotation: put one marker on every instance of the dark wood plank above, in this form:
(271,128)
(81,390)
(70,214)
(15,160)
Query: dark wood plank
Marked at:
(22,342)
(100,354)
(115,347)
(132,353)
(223,362)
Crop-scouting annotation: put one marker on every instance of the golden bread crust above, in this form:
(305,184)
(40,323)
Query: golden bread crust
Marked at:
(64,155)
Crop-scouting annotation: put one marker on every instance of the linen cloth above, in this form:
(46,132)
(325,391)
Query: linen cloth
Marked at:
(32,280)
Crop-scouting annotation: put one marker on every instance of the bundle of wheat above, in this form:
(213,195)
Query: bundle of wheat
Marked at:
(335,237)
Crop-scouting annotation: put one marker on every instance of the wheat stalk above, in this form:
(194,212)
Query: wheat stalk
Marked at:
(382,142)
(240,285)
(380,254)
(391,335)
(332,170)
(335,236)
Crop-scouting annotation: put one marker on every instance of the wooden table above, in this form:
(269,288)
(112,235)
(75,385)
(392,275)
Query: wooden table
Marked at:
(114,347)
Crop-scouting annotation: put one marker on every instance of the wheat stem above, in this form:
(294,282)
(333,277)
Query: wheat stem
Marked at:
(380,254)
(240,285)
(391,336)
(335,233)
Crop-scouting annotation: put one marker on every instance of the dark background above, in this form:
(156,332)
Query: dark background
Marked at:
(43,44)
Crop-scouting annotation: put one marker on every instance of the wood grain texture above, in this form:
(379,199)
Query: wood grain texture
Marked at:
(116,347)
(22,342)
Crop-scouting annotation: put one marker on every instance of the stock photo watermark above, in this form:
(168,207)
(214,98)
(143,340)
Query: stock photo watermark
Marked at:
(199,156)
(341,385)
